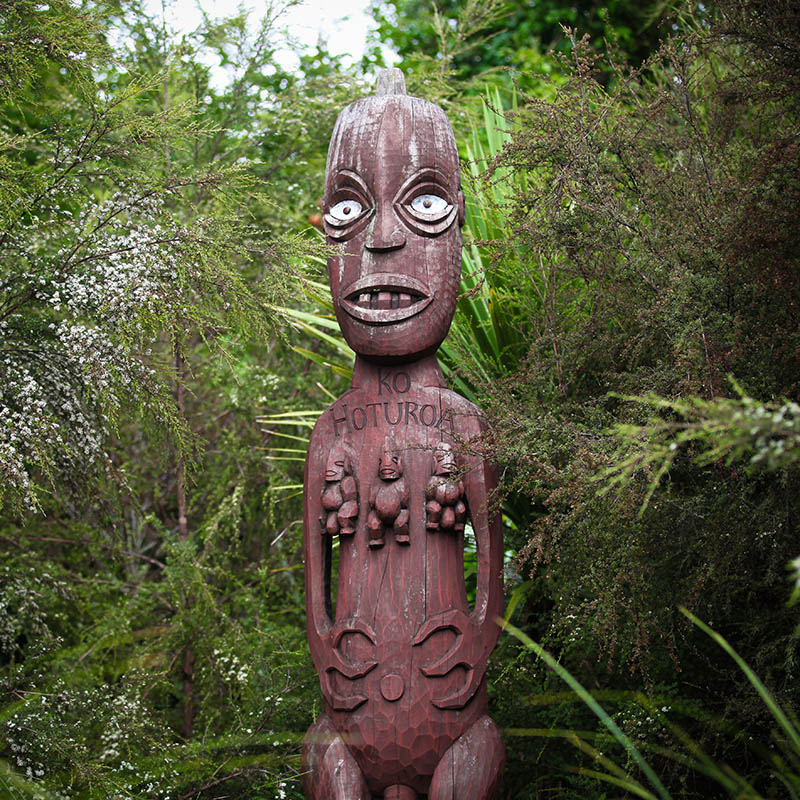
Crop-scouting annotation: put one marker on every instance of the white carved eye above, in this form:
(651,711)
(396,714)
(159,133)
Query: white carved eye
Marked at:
(430,204)
(346,210)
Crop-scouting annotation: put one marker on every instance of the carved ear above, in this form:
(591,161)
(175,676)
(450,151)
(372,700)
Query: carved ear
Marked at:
(462,213)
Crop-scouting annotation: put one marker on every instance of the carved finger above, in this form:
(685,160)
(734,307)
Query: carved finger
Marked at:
(460,697)
(339,701)
(455,619)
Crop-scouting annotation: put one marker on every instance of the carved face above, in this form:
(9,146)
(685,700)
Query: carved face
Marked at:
(393,207)
(335,467)
(444,459)
(391,464)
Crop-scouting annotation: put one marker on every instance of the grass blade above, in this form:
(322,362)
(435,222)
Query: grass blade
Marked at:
(769,701)
(596,708)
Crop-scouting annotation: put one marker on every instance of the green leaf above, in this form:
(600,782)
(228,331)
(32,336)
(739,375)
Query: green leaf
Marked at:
(595,707)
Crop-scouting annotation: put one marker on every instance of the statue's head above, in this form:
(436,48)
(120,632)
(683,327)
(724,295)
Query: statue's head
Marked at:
(393,208)
(390,466)
(340,462)
(444,459)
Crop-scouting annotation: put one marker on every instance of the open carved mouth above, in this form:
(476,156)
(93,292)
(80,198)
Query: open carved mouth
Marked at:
(383,298)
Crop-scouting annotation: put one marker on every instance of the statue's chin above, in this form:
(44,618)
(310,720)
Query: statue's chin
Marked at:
(394,341)
(385,349)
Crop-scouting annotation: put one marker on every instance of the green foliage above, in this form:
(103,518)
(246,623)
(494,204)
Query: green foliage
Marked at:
(96,696)
(719,430)
(779,772)
(36,37)
(100,260)
(152,628)
(475,36)
(630,243)
(652,252)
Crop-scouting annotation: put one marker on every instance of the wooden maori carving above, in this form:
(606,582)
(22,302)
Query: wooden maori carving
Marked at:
(340,495)
(388,498)
(445,508)
(400,651)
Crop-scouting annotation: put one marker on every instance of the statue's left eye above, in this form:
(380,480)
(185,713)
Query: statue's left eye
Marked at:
(430,205)
(425,203)
(346,210)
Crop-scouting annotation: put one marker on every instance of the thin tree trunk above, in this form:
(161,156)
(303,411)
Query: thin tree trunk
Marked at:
(188,691)
(180,481)
(183,533)
(180,468)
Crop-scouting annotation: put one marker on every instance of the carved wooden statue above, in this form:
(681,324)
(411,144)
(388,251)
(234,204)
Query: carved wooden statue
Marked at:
(400,652)
(340,495)
(445,508)
(388,498)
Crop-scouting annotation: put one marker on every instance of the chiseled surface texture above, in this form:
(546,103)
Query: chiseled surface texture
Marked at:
(400,652)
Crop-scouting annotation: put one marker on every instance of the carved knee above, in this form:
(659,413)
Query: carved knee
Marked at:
(472,767)
(331,771)
(448,518)
(375,528)
(347,516)
(331,524)
(433,511)
(401,527)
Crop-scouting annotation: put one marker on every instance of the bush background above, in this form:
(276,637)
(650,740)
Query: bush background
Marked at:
(629,324)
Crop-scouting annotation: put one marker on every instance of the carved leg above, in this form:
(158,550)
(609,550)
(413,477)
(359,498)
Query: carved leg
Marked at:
(331,771)
(401,527)
(448,518)
(461,515)
(473,766)
(433,511)
(347,516)
(331,524)
(375,528)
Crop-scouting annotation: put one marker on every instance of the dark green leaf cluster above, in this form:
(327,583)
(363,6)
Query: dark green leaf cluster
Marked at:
(476,36)
(652,251)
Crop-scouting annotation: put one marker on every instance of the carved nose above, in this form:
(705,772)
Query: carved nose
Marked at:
(385,233)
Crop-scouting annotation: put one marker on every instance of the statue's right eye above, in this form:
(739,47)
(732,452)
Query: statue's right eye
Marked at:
(348,206)
(346,210)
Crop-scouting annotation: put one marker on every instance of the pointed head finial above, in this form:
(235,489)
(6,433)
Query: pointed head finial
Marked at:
(390,81)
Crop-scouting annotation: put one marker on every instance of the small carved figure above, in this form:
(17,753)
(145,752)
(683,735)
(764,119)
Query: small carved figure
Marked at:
(388,498)
(445,507)
(340,495)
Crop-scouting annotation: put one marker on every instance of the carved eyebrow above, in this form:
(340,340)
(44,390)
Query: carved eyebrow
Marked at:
(427,175)
(349,177)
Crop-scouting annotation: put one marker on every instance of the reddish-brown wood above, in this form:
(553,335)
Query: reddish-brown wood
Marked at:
(400,652)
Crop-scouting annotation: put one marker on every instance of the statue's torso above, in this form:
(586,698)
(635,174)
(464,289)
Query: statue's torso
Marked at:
(398,606)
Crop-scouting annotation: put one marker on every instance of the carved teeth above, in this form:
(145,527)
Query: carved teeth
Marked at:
(385,299)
